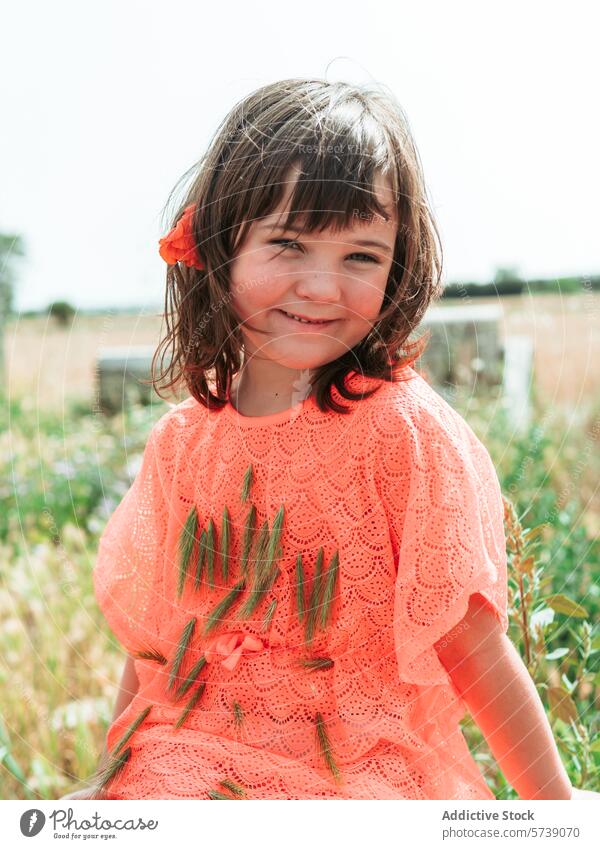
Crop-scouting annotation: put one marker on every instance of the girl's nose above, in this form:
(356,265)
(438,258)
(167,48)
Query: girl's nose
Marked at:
(319,285)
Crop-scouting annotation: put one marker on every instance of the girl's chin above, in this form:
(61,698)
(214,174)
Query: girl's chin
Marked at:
(298,357)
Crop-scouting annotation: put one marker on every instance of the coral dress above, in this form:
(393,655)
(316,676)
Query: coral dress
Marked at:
(281,581)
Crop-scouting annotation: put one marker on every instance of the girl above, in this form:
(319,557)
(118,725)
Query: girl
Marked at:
(309,571)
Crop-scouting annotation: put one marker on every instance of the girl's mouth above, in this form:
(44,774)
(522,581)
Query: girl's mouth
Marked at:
(303,322)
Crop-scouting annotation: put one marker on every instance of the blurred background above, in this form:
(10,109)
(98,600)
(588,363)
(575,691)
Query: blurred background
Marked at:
(106,105)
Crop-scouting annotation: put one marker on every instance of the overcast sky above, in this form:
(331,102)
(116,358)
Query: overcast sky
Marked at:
(106,104)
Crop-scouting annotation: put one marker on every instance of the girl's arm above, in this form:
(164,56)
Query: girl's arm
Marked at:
(495,685)
(128,687)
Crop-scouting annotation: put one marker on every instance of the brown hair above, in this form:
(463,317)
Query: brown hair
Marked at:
(341,136)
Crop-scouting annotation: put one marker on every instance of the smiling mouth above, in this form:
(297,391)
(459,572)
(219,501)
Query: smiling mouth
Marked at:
(298,320)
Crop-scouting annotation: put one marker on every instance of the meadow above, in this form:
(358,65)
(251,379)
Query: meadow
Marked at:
(65,467)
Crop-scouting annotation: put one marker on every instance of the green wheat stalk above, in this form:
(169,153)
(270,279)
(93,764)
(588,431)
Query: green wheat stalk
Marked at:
(258,558)
(151,654)
(248,478)
(201,559)
(114,767)
(225,532)
(269,614)
(210,544)
(300,587)
(190,678)
(248,536)
(215,794)
(274,548)
(269,570)
(238,714)
(330,578)
(219,611)
(315,663)
(260,555)
(117,761)
(185,638)
(314,598)
(235,788)
(134,725)
(192,702)
(186,544)
(324,744)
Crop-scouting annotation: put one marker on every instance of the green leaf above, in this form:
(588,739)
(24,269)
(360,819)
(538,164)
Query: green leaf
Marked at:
(563,604)
(562,705)
(530,534)
(557,653)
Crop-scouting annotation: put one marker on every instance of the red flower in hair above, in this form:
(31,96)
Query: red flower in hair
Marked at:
(179,244)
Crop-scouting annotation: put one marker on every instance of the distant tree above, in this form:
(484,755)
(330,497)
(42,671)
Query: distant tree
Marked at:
(510,274)
(11,248)
(62,311)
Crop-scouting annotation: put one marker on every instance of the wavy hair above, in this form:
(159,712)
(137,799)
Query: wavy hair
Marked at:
(341,136)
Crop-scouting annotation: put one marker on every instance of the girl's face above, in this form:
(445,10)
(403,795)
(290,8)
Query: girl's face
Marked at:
(336,278)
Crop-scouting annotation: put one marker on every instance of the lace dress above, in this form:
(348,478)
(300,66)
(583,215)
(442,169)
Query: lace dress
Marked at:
(281,581)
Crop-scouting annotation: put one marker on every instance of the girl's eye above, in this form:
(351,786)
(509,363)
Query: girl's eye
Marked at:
(285,243)
(288,243)
(368,257)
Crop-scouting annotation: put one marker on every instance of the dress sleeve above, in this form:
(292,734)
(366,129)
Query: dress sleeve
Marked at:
(451,543)
(130,551)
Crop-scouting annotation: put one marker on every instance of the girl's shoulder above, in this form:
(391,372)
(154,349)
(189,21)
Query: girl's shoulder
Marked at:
(181,415)
(410,416)
(178,424)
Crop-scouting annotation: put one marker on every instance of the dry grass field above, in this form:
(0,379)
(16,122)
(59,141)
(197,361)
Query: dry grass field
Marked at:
(50,364)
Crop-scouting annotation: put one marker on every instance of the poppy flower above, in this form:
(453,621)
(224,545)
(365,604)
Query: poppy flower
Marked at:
(179,245)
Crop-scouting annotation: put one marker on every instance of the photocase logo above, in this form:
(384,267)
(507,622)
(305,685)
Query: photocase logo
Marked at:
(32,822)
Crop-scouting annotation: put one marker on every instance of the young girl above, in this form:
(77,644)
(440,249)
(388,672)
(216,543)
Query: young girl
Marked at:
(309,571)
